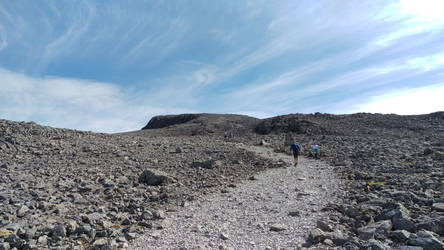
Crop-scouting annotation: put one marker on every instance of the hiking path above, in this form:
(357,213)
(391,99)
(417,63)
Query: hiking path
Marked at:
(275,210)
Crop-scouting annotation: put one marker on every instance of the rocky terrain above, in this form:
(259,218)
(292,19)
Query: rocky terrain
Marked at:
(66,189)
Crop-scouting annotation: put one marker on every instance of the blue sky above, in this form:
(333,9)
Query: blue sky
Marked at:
(109,66)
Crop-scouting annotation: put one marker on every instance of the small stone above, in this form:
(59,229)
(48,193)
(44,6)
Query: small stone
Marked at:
(374,245)
(4,246)
(294,213)
(71,226)
(22,211)
(278,227)
(100,242)
(195,228)
(410,248)
(4,233)
(147,215)
(439,206)
(155,234)
(59,231)
(43,240)
(324,226)
(224,236)
(159,214)
(131,236)
(328,242)
(369,231)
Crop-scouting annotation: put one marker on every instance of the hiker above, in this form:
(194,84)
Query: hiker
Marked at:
(295,149)
(315,151)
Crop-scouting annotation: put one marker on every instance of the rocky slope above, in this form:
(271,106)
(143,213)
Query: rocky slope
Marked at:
(394,167)
(70,189)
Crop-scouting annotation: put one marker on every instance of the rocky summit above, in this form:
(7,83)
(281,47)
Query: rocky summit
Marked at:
(67,189)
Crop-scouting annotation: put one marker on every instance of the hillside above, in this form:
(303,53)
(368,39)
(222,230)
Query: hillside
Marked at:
(67,188)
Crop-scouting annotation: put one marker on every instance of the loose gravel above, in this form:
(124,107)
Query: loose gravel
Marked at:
(275,209)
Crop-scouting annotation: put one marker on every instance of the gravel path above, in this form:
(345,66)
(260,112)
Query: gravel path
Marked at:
(251,215)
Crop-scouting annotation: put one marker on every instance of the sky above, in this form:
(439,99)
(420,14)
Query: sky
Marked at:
(109,66)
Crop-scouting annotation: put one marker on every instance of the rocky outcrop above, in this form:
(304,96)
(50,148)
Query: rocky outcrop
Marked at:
(201,124)
(163,121)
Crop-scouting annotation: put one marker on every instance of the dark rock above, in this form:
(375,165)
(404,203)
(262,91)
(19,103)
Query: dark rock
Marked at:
(435,225)
(15,241)
(400,217)
(400,235)
(410,248)
(316,236)
(58,232)
(71,227)
(153,178)
(163,121)
(147,215)
(87,230)
(374,245)
(323,225)
(380,228)
(209,164)
(425,240)
(294,213)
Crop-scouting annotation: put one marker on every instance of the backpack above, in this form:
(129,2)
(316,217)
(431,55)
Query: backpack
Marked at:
(295,147)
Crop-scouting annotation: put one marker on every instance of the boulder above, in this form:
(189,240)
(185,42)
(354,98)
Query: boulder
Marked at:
(316,236)
(400,217)
(381,227)
(426,240)
(435,225)
(400,235)
(153,178)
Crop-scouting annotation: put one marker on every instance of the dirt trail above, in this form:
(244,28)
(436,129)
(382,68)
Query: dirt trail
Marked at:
(243,217)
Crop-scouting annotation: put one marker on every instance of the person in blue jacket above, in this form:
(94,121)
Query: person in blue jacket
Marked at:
(296,150)
(315,151)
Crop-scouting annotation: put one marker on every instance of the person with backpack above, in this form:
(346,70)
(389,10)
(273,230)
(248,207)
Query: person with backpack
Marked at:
(296,150)
(315,151)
